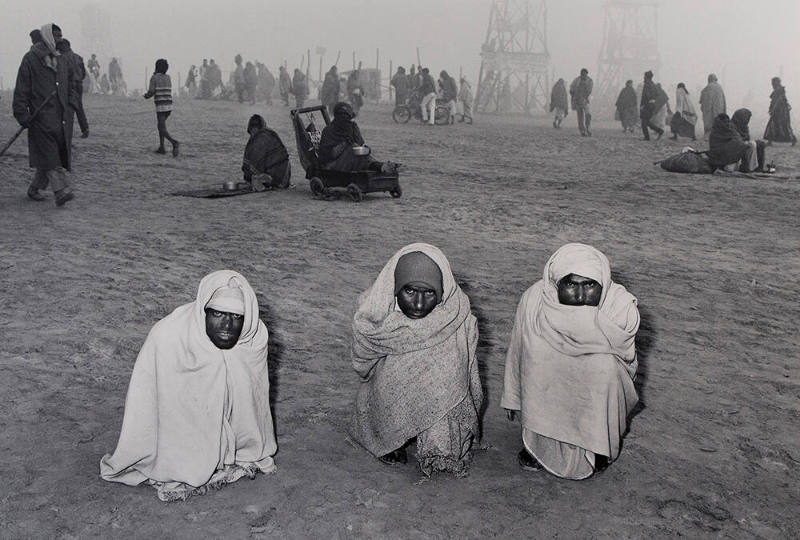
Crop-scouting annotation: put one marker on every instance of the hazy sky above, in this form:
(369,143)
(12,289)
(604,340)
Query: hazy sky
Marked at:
(743,41)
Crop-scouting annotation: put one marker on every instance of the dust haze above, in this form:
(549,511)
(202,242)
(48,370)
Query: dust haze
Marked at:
(744,43)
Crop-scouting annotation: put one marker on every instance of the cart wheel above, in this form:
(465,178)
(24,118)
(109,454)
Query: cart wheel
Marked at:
(397,192)
(355,193)
(441,115)
(317,187)
(401,114)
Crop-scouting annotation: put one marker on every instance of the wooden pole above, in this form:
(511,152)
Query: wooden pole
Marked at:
(391,74)
(419,62)
(338,54)
(320,68)
(354,59)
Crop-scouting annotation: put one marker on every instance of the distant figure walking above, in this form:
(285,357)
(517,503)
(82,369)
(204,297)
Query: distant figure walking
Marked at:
(401,84)
(43,81)
(299,88)
(651,103)
(284,85)
(118,86)
(238,78)
(161,92)
(330,89)
(449,94)
(580,90)
(558,102)
(78,72)
(266,83)
(355,93)
(191,82)
(465,100)
(627,107)
(685,117)
(779,127)
(712,103)
(250,82)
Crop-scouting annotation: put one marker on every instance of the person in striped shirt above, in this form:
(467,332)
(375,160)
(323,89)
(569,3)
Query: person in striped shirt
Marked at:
(161,92)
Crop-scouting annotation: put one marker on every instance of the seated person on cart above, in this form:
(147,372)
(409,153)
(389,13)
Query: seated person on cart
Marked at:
(336,148)
(266,161)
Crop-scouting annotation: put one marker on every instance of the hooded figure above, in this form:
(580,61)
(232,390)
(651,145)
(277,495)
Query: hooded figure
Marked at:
(330,89)
(779,127)
(299,88)
(419,374)
(43,79)
(558,102)
(741,123)
(266,159)
(197,411)
(683,121)
(337,142)
(627,108)
(712,102)
(401,86)
(284,85)
(726,146)
(570,365)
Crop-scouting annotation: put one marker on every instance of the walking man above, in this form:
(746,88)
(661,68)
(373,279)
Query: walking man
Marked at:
(580,90)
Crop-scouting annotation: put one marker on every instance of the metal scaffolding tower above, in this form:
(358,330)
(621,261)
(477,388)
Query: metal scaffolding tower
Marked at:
(514,58)
(630,45)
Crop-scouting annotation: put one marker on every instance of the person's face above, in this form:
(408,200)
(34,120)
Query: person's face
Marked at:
(223,328)
(575,290)
(416,300)
(775,84)
(57,35)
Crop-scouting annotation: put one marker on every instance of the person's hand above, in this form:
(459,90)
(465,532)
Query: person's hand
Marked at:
(511,414)
(25,122)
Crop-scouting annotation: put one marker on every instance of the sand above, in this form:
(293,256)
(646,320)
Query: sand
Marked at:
(713,451)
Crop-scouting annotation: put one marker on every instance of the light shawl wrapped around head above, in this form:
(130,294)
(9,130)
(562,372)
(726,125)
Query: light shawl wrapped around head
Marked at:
(569,369)
(191,407)
(413,371)
(48,39)
(575,330)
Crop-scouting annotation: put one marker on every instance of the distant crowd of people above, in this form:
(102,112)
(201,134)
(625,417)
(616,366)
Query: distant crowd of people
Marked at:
(648,106)
(418,89)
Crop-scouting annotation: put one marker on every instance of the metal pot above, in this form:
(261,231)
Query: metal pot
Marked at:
(361,150)
(230,185)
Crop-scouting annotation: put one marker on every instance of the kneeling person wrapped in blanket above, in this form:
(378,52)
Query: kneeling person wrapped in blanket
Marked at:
(414,342)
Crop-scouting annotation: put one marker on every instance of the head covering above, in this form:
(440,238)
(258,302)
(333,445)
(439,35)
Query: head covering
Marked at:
(228,299)
(178,424)
(343,110)
(48,39)
(741,122)
(712,78)
(416,267)
(648,74)
(413,371)
(36,36)
(610,327)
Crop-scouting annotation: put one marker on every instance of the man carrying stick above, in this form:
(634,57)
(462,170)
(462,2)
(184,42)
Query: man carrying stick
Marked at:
(41,74)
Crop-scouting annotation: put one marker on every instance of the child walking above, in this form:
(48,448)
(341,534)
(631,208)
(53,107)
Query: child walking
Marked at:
(161,92)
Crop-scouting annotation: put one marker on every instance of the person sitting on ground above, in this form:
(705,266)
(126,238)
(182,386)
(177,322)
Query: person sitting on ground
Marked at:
(161,92)
(570,365)
(266,160)
(727,147)
(197,413)
(741,123)
(414,343)
(336,147)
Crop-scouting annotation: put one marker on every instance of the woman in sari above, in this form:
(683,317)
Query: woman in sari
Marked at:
(683,121)
(570,365)
(414,342)
(197,412)
(340,137)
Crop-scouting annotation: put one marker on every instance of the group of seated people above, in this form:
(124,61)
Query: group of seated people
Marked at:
(197,413)
(341,148)
(730,144)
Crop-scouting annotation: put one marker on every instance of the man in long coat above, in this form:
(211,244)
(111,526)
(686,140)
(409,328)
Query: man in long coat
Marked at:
(44,78)
(78,75)
(712,102)
(330,89)
(580,90)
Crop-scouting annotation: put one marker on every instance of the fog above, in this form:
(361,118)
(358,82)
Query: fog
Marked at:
(744,42)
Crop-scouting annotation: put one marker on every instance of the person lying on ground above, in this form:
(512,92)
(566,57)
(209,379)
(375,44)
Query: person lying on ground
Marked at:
(414,343)
(197,412)
(570,365)
(266,160)
(336,147)
(741,123)
(727,147)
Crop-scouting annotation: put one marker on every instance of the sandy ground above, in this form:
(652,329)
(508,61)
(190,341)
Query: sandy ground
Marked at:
(712,451)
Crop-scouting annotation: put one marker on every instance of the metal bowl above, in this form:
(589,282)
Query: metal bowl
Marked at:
(230,185)
(361,150)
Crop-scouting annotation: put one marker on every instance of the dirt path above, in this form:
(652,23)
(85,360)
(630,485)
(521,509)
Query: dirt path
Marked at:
(714,261)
